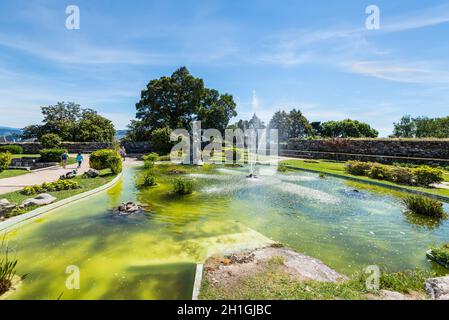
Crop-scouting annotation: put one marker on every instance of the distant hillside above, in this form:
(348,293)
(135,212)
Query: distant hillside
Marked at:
(120,133)
(7,131)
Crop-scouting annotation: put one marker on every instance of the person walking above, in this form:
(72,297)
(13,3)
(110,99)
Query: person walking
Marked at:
(64,158)
(79,159)
(122,152)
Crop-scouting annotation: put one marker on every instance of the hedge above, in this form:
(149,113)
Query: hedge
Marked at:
(106,159)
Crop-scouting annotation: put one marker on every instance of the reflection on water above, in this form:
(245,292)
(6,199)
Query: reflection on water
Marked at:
(153,255)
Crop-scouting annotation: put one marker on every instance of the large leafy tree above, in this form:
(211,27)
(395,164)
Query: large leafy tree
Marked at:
(299,125)
(174,102)
(72,123)
(281,121)
(348,129)
(422,127)
(406,128)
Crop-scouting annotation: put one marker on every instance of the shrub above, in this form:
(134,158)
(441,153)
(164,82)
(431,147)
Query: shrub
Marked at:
(426,175)
(106,159)
(380,172)
(149,160)
(153,157)
(148,179)
(59,185)
(160,140)
(182,186)
(424,206)
(51,155)
(5,161)
(11,149)
(402,175)
(7,268)
(50,141)
(282,168)
(358,168)
(441,253)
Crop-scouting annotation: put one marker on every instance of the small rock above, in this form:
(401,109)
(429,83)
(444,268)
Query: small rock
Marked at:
(227,262)
(4,203)
(40,200)
(438,288)
(91,173)
(69,175)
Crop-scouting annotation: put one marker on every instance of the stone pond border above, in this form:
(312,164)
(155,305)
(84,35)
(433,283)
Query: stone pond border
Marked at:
(374,183)
(20,219)
(197,281)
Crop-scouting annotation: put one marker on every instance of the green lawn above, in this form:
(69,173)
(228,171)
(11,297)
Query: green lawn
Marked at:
(12,173)
(86,185)
(338,168)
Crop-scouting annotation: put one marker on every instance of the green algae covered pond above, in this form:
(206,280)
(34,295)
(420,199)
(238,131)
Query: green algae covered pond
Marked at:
(153,255)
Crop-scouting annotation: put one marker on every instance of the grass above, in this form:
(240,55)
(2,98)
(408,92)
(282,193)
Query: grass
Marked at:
(85,184)
(441,253)
(12,173)
(424,206)
(338,168)
(7,268)
(272,283)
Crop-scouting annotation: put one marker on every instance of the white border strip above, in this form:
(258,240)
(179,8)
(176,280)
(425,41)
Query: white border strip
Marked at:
(198,279)
(14,221)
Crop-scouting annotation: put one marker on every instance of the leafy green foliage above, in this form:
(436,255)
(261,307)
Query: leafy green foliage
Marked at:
(5,161)
(7,268)
(59,185)
(422,127)
(153,156)
(13,149)
(148,179)
(380,172)
(51,155)
(72,123)
(50,141)
(424,206)
(182,186)
(348,129)
(160,140)
(174,102)
(358,168)
(282,168)
(441,252)
(426,175)
(106,159)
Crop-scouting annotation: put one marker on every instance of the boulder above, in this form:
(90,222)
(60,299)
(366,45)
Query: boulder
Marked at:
(438,288)
(127,208)
(40,200)
(69,175)
(91,173)
(4,203)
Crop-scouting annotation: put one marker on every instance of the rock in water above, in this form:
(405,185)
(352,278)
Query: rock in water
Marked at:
(40,200)
(128,208)
(438,288)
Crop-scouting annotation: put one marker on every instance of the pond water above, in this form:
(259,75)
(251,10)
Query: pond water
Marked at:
(153,255)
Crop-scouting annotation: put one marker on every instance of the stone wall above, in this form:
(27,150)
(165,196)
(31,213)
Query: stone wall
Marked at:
(382,150)
(84,147)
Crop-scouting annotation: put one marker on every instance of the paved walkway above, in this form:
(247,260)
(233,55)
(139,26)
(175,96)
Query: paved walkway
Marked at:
(48,175)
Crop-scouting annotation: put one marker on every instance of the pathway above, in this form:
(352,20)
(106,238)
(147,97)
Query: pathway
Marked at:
(47,175)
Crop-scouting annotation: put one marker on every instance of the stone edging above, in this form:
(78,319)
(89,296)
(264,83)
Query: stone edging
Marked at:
(379,184)
(14,221)
(198,280)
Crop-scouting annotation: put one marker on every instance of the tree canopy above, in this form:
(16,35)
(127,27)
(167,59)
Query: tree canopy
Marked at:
(290,125)
(347,129)
(422,127)
(174,102)
(72,123)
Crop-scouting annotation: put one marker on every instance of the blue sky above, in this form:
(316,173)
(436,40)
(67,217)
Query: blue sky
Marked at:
(313,55)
